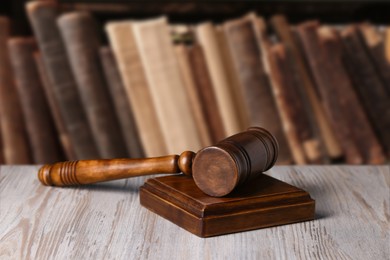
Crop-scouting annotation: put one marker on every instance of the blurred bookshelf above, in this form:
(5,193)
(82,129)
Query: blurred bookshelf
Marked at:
(278,39)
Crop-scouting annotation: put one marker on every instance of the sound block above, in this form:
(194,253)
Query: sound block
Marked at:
(264,202)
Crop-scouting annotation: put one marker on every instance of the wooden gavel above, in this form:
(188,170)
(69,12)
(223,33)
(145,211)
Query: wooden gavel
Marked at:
(216,169)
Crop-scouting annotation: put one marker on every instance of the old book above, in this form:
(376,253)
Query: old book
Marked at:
(121,103)
(324,50)
(133,75)
(303,145)
(42,16)
(82,41)
(254,81)
(368,83)
(208,39)
(14,137)
(165,82)
(206,93)
(375,43)
(319,126)
(63,135)
(195,103)
(44,143)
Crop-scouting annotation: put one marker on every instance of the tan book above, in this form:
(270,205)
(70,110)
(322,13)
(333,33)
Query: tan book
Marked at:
(206,93)
(254,81)
(319,123)
(208,39)
(133,75)
(81,36)
(121,103)
(43,16)
(166,85)
(368,82)
(44,143)
(13,131)
(62,131)
(182,54)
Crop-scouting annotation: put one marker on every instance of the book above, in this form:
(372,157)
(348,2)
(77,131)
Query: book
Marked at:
(368,83)
(43,138)
(43,16)
(82,42)
(207,37)
(319,125)
(16,148)
(375,43)
(121,103)
(182,54)
(166,85)
(206,93)
(125,50)
(324,51)
(254,81)
(303,146)
(63,134)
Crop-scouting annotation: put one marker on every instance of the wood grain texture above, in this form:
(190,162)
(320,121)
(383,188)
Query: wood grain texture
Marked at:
(126,53)
(107,221)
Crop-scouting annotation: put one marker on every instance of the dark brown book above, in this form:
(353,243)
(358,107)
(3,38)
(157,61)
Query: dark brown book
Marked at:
(375,43)
(303,144)
(206,93)
(319,126)
(121,103)
(324,50)
(254,81)
(81,37)
(42,16)
(44,143)
(14,137)
(62,131)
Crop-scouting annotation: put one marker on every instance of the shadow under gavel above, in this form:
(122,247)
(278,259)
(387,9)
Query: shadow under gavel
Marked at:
(216,169)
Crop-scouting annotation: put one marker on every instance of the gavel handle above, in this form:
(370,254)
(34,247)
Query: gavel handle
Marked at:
(91,171)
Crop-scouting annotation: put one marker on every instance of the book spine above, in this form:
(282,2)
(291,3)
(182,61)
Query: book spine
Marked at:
(40,127)
(368,83)
(195,104)
(81,37)
(63,134)
(14,137)
(121,103)
(206,93)
(42,16)
(208,39)
(165,82)
(133,75)
(256,87)
(319,126)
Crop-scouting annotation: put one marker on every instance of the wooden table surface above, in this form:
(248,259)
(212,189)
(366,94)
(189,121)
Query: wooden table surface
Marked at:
(106,221)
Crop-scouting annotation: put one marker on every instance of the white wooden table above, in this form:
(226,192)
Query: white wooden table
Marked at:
(106,221)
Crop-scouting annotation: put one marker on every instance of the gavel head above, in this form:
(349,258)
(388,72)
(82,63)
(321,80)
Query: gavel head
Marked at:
(220,168)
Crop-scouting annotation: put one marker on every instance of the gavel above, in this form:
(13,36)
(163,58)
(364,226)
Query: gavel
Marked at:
(217,170)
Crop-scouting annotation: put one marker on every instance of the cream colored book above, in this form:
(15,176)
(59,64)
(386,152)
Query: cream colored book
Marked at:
(207,37)
(166,85)
(133,75)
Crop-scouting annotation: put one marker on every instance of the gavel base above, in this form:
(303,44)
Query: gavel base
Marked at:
(265,202)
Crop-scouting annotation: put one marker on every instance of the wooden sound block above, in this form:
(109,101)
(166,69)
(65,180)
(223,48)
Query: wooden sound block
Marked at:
(265,202)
